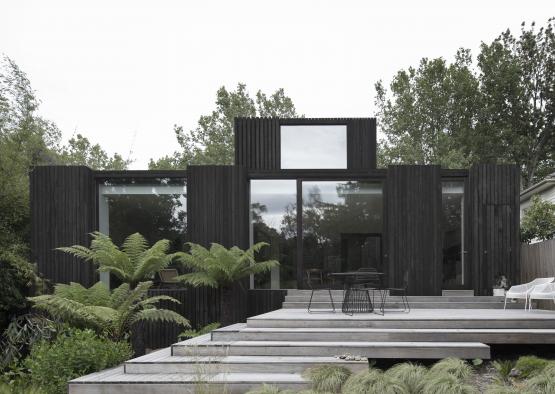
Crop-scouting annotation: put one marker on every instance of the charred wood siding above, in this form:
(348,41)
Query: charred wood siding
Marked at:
(495,216)
(413,238)
(258,143)
(62,214)
(218,205)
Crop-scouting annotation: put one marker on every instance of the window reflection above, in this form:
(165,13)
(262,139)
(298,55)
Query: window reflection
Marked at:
(453,243)
(342,225)
(274,220)
(314,146)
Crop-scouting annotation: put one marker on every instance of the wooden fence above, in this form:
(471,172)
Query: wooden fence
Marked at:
(538,261)
(201,306)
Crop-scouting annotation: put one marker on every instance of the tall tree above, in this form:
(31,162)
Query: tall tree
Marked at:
(457,114)
(27,140)
(211,142)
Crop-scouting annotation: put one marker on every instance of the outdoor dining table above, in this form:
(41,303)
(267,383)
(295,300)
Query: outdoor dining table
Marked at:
(357,299)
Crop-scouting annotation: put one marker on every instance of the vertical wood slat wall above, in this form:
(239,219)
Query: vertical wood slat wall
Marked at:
(62,214)
(494,224)
(258,144)
(413,232)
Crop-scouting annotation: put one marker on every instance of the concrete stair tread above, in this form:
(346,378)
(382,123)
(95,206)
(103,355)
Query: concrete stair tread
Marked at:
(338,344)
(117,375)
(400,330)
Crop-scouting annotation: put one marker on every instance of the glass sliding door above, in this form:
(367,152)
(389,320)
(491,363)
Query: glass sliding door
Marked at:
(342,226)
(452,197)
(274,220)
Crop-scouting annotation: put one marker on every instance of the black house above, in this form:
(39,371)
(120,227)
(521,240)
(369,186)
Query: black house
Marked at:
(310,188)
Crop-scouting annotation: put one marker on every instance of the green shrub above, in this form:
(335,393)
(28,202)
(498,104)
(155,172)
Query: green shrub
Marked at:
(412,375)
(528,366)
(20,389)
(445,382)
(373,381)
(327,378)
(79,352)
(454,366)
(19,280)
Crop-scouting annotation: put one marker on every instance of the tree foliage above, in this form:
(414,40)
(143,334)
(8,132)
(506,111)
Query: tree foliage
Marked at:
(538,221)
(502,110)
(134,262)
(28,140)
(110,313)
(211,142)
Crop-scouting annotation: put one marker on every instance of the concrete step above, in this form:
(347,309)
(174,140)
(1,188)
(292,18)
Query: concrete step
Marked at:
(116,381)
(489,336)
(459,293)
(323,296)
(414,305)
(417,318)
(401,350)
(162,361)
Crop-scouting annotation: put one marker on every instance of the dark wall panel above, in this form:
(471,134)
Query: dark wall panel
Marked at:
(257,141)
(62,214)
(413,236)
(494,219)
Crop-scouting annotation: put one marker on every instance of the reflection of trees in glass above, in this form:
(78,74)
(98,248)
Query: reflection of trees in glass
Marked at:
(155,216)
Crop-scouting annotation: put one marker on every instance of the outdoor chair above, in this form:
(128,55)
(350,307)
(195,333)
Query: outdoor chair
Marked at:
(167,277)
(542,292)
(402,291)
(373,284)
(523,291)
(316,282)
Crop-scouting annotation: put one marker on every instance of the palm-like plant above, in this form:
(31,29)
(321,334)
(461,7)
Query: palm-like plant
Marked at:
(110,313)
(222,267)
(134,262)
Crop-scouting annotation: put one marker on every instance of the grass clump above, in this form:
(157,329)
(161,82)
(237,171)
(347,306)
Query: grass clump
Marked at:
(269,389)
(445,382)
(543,382)
(503,388)
(410,374)
(503,368)
(529,366)
(453,366)
(327,378)
(373,381)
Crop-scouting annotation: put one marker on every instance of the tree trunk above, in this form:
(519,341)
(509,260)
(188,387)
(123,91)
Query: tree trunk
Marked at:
(226,305)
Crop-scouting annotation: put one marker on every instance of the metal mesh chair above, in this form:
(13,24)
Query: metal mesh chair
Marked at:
(402,290)
(315,281)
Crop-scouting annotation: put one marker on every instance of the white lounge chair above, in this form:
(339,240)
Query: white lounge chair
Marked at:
(523,291)
(542,292)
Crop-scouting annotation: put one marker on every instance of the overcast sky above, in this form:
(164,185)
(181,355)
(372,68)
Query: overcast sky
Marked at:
(124,72)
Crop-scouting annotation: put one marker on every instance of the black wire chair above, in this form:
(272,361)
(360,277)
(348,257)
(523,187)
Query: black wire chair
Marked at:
(315,281)
(403,291)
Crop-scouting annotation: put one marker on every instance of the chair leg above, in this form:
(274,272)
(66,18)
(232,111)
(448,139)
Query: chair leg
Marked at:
(331,299)
(310,302)
(505,306)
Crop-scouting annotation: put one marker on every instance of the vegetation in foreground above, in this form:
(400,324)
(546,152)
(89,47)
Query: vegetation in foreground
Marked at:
(527,375)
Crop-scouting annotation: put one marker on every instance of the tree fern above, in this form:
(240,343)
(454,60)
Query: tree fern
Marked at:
(112,314)
(134,262)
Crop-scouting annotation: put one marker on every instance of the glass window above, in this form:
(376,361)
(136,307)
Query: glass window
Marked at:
(342,226)
(453,240)
(154,207)
(274,220)
(314,146)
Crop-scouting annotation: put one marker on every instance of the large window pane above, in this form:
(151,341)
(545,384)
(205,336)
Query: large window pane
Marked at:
(314,146)
(156,208)
(342,226)
(274,220)
(452,225)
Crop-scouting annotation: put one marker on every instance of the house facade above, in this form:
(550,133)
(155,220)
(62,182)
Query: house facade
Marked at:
(545,189)
(312,190)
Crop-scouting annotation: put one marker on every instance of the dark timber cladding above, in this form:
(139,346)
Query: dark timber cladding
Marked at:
(218,205)
(413,249)
(258,144)
(494,216)
(62,214)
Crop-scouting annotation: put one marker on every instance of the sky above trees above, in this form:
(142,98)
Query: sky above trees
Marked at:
(124,73)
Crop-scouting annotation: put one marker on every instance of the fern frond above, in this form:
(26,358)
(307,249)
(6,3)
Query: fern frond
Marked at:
(156,299)
(134,246)
(78,251)
(163,315)
(119,294)
(198,279)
